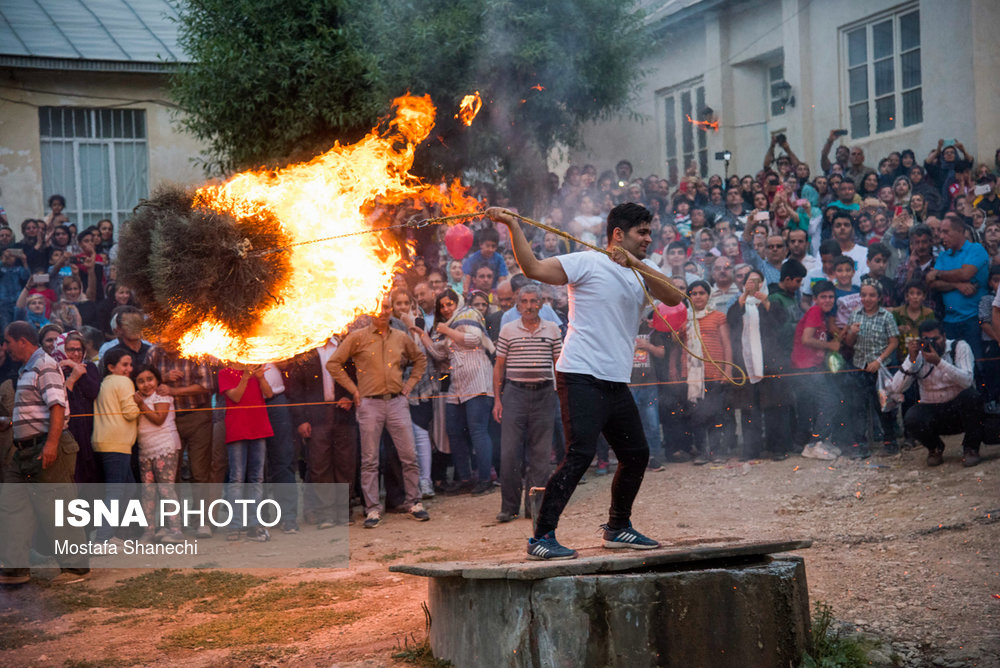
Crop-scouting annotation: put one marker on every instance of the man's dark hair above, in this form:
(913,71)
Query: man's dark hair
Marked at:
(929,326)
(792,268)
(24,331)
(879,248)
(626,216)
(919,285)
(829,247)
(987,178)
(489,234)
(823,286)
(921,230)
(674,245)
(479,265)
(843,259)
(842,214)
(518,281)
(57,198)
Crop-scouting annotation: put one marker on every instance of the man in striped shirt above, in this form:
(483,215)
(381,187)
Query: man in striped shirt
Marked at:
(527,350)
(43,453)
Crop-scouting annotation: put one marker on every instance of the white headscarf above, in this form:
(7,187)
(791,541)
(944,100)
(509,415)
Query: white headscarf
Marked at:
(753,355)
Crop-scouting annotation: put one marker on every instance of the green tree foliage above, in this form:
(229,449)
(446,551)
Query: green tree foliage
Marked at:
(275,79)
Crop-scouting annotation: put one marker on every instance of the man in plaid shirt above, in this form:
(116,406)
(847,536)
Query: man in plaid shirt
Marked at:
(44,452)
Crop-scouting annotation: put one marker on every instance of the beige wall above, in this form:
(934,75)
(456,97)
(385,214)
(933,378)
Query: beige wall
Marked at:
(171,152)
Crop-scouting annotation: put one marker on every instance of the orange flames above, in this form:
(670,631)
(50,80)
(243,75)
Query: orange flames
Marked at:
(469,108)
(704,125)
(338,192)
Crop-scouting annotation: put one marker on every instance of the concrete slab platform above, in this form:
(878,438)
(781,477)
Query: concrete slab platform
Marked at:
(594,561)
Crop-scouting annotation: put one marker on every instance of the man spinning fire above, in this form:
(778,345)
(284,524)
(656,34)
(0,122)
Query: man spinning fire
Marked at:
(606,301)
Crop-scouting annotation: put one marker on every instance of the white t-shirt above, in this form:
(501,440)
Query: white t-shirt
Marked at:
(860,256)
(813,276)
(606,302)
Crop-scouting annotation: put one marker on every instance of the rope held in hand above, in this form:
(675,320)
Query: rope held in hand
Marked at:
(641,269)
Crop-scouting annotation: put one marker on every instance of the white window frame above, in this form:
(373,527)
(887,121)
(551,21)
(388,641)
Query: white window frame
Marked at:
(74,196)
(673,114)
(772,99)
(867,25)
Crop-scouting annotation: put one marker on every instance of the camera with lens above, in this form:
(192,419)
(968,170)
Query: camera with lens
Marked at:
(927,343)
(780,138)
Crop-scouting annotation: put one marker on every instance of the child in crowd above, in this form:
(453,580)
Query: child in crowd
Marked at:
(159,448)
(878,262)
(13,276)
(873,333)
(912,312)
(247,427)
(817,399)
(115,413)
(848,294)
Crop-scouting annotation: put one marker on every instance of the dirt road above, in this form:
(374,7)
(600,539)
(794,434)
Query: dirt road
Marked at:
(903,552)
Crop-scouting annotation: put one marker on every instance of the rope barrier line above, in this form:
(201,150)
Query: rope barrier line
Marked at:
(450,396)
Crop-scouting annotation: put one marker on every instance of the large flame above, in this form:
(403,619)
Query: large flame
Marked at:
(469,108)
(333,282)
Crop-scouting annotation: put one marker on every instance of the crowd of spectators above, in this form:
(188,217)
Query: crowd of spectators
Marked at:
(847,294)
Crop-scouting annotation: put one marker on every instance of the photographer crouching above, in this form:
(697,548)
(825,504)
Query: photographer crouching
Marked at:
(949,402)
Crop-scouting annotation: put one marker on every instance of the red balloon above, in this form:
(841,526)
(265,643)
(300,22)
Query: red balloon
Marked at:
(458,239)
(675,316)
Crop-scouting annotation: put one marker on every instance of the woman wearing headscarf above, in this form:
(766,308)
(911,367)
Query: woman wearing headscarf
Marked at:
(705,387)
(462,340)
(754,326)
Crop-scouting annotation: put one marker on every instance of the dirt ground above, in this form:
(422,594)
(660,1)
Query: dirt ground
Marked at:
(907,554)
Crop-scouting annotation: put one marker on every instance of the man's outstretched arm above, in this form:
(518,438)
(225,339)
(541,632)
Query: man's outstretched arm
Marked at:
(549,270)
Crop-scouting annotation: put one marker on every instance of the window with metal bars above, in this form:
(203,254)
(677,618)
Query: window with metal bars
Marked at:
(684,142)
(97,159)
(883,83)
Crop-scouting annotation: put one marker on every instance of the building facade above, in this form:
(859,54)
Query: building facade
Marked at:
(84,107)
(894,75)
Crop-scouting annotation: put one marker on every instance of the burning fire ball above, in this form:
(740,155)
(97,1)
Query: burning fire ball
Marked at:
(270,263)
(188,264)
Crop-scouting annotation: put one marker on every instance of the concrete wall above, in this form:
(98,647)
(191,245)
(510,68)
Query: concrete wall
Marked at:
(170,151)
(731,46)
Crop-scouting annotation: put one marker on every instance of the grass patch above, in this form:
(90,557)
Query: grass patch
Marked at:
(14,633)
(256,628)
(257,656)
(169,589)
(420,655)
(828,649)
(300,595)
(321,562)
(110,662)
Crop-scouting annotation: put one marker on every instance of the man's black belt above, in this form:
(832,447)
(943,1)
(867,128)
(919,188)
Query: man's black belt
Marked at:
(385,397)
(24,443)
(540,385)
